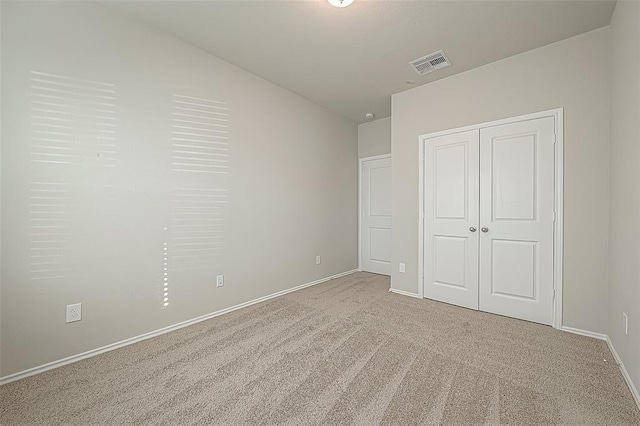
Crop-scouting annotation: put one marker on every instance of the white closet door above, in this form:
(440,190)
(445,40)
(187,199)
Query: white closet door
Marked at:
(376,216)
(516,219)
(451,219)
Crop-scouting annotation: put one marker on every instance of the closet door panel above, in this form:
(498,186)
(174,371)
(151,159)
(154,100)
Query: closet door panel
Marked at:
(516,219)
(451,219)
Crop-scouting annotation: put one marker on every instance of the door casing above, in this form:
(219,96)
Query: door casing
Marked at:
(557,114)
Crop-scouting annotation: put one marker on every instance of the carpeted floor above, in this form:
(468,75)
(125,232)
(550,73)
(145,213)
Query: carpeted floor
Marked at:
(343,352)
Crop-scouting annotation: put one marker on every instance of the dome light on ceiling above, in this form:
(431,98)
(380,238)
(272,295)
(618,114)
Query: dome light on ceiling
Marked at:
(340,3)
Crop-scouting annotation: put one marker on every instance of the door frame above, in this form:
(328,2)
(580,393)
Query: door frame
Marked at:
(360,162)
(558,228)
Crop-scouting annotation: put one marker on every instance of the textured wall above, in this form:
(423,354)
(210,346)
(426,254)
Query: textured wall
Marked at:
(131,159)
(624,272)
(374,138)
(570,74)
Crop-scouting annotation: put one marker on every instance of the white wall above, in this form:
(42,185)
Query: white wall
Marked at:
(288,194)
(574,74)
(374,138)
(624,272)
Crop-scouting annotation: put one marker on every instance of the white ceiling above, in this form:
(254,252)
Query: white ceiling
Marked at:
(351,60)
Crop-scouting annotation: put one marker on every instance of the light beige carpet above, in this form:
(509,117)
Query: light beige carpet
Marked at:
(343,352)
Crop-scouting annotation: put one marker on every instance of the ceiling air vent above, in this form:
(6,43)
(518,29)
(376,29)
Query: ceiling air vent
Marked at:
(430,63)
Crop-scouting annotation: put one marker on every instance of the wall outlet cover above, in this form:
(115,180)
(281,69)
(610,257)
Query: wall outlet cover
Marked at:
(219,280)
(318,260)
(401,267)
(74,312)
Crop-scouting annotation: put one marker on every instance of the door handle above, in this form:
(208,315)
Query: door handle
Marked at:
(473,229)
(484,229)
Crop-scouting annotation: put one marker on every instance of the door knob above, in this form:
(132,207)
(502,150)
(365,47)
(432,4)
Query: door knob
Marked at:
(484,229)
(472,229)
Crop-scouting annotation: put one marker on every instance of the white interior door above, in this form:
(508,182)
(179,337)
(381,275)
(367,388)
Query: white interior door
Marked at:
(516,219)
(451,219)
(375,220)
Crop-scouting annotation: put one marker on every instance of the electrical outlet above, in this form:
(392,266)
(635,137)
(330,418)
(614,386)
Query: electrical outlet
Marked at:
(74,312)
(401,267)
(626,323)
(219,280)
(318,260)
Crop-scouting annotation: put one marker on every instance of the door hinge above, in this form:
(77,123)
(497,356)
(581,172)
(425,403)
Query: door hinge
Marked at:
(555,216)
(554,294)
(555,138)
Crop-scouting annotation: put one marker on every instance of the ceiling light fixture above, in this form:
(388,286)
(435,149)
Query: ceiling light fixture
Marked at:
(340,3)
(369,115)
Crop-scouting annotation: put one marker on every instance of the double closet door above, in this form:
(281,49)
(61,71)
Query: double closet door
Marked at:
(488,219)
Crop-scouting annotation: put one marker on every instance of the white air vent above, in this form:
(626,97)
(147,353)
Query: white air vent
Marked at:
(430,63)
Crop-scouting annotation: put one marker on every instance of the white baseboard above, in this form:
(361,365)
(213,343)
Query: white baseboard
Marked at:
(332,277)
(625,374)
(74,358)
(404,293)
(593,334)
(617,359)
